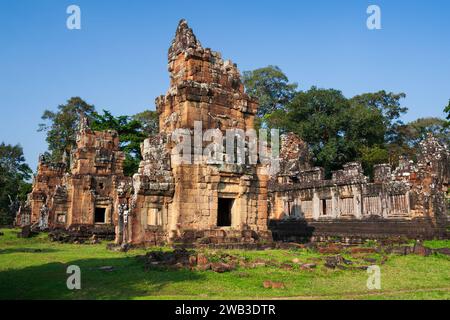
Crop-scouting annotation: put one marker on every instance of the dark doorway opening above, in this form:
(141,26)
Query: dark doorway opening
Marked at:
(100,215)
(324,207)
(224,212)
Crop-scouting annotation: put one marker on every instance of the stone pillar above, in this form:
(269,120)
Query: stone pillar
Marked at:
(335,203)
(316,205)
(357,201)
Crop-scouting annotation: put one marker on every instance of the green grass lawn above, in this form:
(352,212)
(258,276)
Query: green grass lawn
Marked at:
(36,269)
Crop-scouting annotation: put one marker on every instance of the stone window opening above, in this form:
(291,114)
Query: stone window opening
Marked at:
(61,217)
(101,185)
(224,208)
(100,215)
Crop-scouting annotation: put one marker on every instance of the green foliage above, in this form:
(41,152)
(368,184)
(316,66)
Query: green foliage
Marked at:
(370,156)
(390,106)
(149,121)
(132,130)
(411,134)
(447,111)
(61,126)
(14,176)
(271,86)
(337,129)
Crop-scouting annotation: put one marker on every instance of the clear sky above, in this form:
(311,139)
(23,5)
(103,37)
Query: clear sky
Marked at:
(118,60)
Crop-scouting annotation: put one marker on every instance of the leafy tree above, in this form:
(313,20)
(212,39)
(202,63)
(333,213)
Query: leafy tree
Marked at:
(412,133)
(14,176)
(370,156)
(319,117)
(149,120)
(390,106)
(271,86)
(132,130)
(61,126)
(447,111)
(339,130)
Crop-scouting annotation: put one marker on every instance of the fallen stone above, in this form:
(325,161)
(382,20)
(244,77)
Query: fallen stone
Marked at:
(363,267)
(401,250)
(257,264)
(333,261)
(201,259)
(296,260)
(203,267)
(420,250)
(220,267)
(192,261)
(268,284)
(308,266)
(348,262)
(362,250)
(278,285)
(330,249)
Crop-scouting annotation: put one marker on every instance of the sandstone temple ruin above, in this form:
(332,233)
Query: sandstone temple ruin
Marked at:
(168,201)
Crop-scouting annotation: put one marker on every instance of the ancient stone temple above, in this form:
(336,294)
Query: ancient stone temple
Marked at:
(189,190)
(198,200)
(408,202)
(84,195)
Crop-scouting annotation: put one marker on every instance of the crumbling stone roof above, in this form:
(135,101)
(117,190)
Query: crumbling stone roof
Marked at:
(184,39)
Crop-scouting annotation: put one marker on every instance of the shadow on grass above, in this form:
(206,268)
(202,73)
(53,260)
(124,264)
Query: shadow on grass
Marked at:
(26,250)
(127,280)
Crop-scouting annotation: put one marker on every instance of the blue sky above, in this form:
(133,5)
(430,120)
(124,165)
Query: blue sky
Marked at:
(118,60)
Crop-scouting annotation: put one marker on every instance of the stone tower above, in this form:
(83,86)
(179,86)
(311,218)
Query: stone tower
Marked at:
(199,201)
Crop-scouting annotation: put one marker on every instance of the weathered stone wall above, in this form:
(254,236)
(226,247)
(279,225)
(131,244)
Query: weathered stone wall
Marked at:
(46,183)
(413,194)
(175,201)
(67,199)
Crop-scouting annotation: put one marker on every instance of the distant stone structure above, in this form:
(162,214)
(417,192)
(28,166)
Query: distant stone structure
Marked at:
(207,203)
(408,202)
(87,194)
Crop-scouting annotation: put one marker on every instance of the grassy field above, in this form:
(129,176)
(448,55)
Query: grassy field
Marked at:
(36,269)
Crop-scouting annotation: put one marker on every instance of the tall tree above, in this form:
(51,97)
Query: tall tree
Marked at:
(389,104)
(149,122)
(14,176)
(338,129)
(410,134)
(61,126)
(271,86)
(319,117)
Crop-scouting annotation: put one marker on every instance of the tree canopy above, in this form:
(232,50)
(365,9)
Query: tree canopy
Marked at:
(337,129)
(271,86)
(366,127)
(61,128)
(14,176)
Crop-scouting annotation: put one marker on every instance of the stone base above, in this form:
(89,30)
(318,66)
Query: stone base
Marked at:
(83,233)
(356,231)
